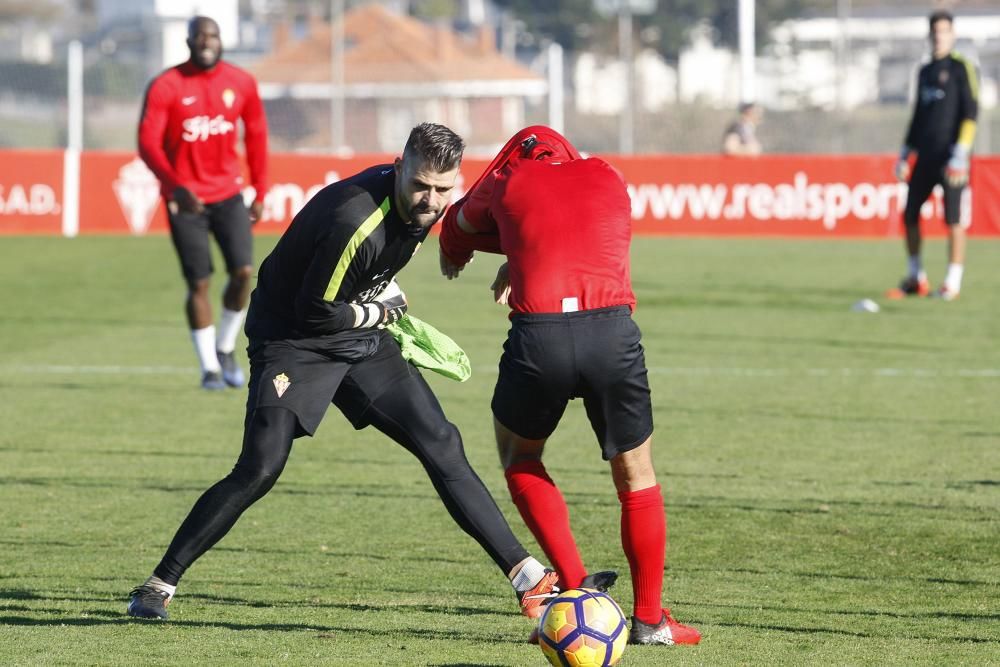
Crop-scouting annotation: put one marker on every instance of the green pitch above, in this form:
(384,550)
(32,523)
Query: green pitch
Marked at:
(832,478)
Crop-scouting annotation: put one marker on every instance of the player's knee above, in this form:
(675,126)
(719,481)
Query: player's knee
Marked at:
(633,469)
(451,440)
(254,482)
(198,286)
(911,219)
(241,274)
(514,449)
(445,448)
(266,445)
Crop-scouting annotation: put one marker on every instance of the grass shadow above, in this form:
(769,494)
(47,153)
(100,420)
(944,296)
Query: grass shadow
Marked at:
(395,634)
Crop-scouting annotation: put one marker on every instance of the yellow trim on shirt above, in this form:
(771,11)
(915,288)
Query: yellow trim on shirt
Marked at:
(967,133)
(359,237)
(970,73)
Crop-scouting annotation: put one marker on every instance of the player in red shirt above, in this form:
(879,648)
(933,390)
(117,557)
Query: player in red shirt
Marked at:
(187,137)
(564,223)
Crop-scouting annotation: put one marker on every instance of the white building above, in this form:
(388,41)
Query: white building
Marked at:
(871,55)
(819,62)
(708,74)
(600,83)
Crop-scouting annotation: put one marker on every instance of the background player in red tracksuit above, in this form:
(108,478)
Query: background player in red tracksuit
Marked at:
(187,137)
(565,225)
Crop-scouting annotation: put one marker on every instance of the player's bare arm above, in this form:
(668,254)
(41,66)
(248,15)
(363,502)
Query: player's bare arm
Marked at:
(450,269)
(256,212)
(501,285)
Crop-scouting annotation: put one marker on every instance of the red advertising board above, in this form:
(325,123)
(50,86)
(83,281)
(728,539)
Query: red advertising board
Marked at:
(986,198)
(119,195)
(31,192)
(789,195)
(779,195)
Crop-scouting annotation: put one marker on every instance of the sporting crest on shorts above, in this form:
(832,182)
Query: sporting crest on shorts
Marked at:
(281,384)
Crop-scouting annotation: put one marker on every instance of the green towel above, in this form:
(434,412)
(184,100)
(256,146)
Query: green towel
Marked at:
(426,347)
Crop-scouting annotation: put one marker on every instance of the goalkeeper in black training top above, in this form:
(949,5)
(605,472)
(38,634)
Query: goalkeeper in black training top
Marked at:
(941,134)
(317,336)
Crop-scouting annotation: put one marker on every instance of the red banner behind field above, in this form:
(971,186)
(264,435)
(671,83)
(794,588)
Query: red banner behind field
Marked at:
(781,195)
(790,196)
(31,192)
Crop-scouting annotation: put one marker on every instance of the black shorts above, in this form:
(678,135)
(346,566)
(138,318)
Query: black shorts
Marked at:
(596,355)
(228,221)
(927,173)
(305,378)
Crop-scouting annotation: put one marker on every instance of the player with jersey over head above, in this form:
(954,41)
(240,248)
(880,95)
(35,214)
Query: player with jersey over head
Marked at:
(187,137)
(564,224)
(941,133)
(317,330)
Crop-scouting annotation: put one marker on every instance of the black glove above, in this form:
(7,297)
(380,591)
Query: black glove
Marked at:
(386,308)
(392,308)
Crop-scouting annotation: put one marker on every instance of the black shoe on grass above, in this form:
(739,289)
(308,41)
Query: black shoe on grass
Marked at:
(212,381)
(231,371)
(600,581)
(148,602)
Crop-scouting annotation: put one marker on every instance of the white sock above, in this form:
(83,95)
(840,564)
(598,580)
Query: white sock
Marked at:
(528,576)
(160,585)
(953,279)
(916,268)
(230,324)
(204,347)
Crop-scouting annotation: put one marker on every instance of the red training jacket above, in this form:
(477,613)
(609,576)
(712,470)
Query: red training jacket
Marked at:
(565,228)
(187,134)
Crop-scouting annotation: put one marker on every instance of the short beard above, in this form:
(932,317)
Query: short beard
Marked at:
(414,221)
(197,59)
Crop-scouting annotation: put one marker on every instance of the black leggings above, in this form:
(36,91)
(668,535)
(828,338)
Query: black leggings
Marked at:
(410,415)
(267,442)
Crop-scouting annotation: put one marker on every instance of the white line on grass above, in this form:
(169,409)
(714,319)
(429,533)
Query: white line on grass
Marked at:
(829,372)
(71,369)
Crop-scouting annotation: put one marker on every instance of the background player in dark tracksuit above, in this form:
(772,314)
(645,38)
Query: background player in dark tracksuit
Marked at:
(565,225)
(187,137)
(941,133)
(316,329)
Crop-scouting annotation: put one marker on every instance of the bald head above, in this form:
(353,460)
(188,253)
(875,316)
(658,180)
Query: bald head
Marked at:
(204,42)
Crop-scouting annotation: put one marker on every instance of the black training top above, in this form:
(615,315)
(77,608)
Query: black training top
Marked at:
(947,92)
(344,246)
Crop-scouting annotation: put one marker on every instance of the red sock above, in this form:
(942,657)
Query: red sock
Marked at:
(644,537)
(544,511)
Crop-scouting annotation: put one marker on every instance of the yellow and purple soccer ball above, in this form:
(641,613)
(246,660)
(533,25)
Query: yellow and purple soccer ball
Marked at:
(582,628)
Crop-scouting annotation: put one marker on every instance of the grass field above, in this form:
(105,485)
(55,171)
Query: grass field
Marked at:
(832,478)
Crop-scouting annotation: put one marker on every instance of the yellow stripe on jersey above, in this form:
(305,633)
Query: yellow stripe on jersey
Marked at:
(351,250)
(970,74)
(967,133)
(967,130)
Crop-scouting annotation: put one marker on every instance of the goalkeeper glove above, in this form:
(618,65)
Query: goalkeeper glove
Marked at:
(902,169)
(956,173)
(385,309)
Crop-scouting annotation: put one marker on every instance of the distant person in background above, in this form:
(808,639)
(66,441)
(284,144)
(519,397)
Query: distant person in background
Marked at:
(941,133)
(741,137)
(187,137)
